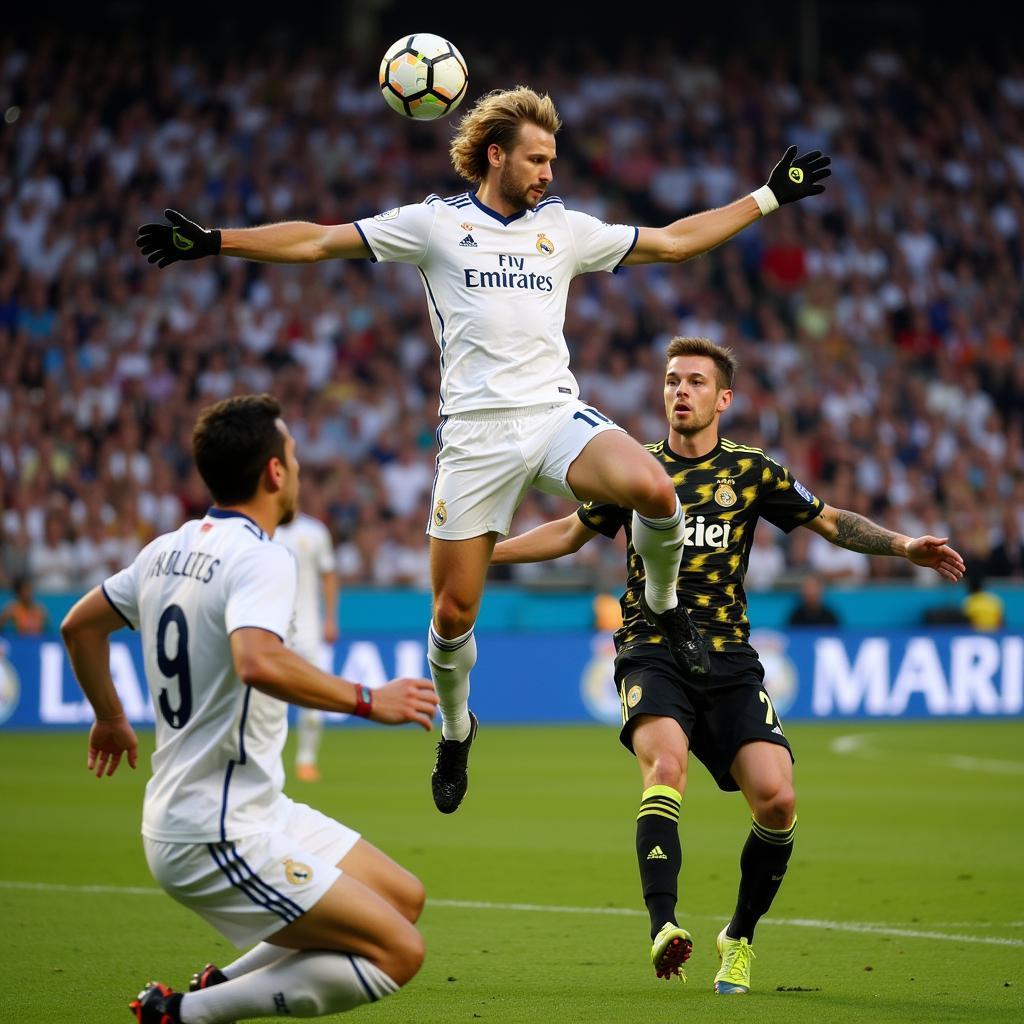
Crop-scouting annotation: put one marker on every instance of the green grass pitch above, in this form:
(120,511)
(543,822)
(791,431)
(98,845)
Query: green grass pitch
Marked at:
(904,900)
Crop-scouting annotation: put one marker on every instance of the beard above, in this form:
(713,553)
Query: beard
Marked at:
(287,515)
(517,195)
(693,425)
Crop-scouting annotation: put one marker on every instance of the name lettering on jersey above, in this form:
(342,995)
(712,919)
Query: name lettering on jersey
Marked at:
(700,533)
(195,565)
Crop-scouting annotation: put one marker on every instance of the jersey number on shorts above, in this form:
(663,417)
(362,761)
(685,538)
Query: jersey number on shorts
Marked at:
(591,417)
(176,667)
(770,713)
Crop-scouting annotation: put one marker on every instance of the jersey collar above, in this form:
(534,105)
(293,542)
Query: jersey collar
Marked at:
(494,213)
(230,513)
(688,460)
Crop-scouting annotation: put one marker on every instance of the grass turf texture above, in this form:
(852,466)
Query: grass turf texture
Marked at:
(915,828)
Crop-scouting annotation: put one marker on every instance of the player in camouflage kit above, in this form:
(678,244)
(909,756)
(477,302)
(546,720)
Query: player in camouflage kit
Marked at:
(725,717)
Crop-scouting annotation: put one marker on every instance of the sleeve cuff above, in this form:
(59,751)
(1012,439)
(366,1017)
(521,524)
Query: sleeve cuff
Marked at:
(110,601)
(362,235)
(625,255)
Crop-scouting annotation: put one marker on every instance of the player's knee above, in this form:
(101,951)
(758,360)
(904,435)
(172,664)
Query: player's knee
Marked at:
(667,770)
(404,955)
(414,896)
(452,616)
(776,808)
(656,495)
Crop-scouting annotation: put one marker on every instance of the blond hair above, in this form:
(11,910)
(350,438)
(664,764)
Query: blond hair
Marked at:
(723,357)
(494,120)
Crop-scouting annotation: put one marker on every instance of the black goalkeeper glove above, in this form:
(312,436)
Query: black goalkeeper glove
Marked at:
(182,239)
(793,177)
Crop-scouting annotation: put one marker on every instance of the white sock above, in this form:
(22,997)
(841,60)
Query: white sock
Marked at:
(308,984)
(311,726)
(450,662)
(260,955)
(659,542)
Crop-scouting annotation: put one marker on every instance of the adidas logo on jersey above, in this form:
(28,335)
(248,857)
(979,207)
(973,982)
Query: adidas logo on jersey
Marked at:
(657,854)
(468,242)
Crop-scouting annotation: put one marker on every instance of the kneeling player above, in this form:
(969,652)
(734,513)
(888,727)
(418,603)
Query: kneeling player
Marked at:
(725,717)
(331,916)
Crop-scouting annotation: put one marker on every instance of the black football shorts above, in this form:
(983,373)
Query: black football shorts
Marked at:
(719,714)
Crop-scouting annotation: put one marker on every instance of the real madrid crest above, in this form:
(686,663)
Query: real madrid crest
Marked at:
(297,873)
(633,696)
(724,494)
(440,513)
(544,245)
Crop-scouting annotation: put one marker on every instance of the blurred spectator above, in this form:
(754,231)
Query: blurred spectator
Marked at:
(51,559)
(1007,555)
(607,613)
(833,563)
(23,614)
(767,561)
(811,609)
(983,609)
(880,331)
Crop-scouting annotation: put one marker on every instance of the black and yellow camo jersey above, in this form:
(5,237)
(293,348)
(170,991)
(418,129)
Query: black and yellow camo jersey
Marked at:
(723,494)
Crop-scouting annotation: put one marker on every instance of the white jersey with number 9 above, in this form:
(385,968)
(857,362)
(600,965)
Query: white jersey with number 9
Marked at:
(217,772)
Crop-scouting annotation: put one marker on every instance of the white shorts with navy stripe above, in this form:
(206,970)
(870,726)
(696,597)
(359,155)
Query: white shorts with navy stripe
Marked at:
(488,459)
(252,887)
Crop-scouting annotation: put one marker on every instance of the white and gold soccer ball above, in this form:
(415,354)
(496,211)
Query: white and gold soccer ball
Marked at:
(423,76)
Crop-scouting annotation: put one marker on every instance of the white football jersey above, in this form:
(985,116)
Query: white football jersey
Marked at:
(310,542)
(217,771)
(496,290)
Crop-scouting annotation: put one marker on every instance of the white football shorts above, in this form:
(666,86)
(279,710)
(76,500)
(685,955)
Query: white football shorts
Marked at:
(252,887)
(488,459)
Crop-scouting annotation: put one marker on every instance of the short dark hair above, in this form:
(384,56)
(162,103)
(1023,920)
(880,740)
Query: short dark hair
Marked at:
(232,443)
(724,358)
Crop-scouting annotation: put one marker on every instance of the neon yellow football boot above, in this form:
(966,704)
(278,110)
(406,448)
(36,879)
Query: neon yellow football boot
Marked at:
(733,977)
(672,948)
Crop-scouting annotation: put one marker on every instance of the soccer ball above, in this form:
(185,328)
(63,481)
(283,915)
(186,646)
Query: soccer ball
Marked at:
(423,76)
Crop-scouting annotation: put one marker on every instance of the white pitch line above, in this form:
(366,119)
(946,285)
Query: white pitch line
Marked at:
(117,890)
(858,927)
(861,927)
(904,933)
(984,764)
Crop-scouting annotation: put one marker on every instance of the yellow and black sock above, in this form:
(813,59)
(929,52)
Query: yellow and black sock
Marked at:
(762,867)
(659,853)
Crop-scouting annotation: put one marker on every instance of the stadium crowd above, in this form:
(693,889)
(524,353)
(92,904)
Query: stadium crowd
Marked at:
(879,327)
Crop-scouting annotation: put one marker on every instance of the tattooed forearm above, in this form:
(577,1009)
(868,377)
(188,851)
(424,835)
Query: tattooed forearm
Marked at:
(857,533)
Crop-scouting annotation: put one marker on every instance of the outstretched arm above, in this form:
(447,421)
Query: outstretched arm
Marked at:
(792,178)
(263,662)
(858,533)
(294,242)
(551,540)
(288,242)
